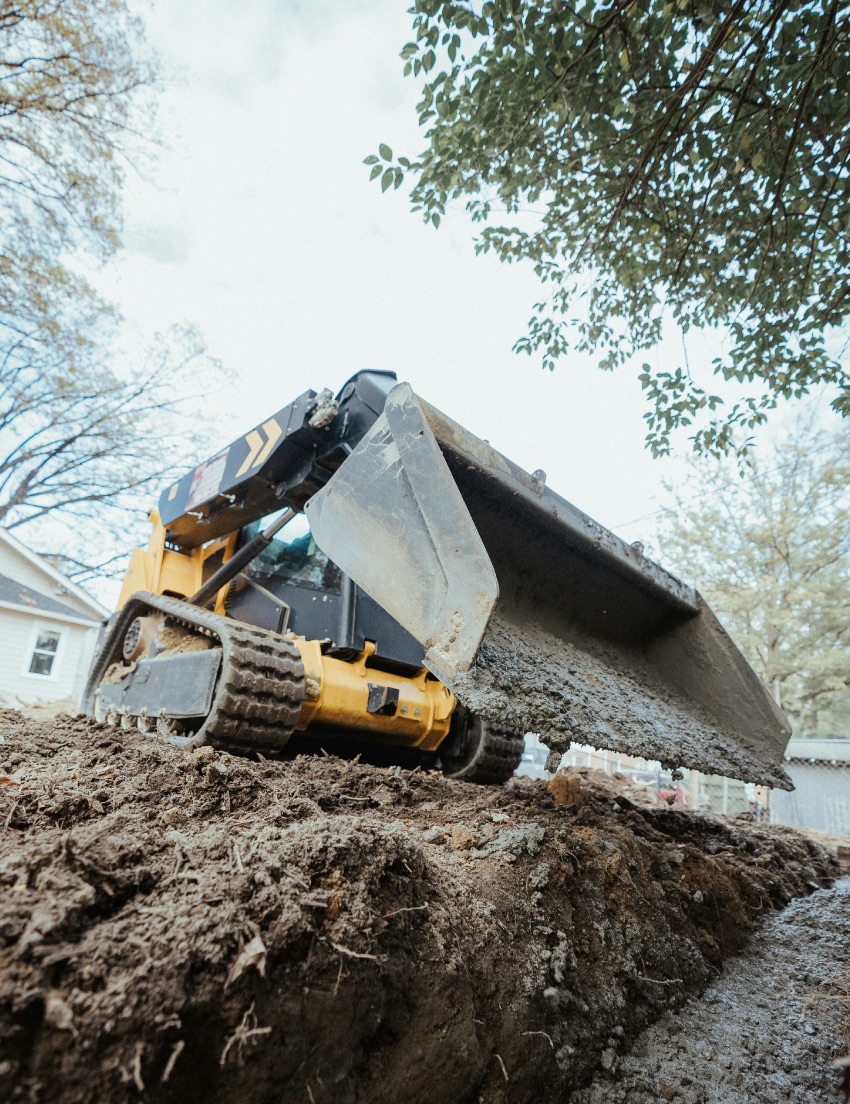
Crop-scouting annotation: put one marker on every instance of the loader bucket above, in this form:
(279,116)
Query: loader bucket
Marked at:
(533,614)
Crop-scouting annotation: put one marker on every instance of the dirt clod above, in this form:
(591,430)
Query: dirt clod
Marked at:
(308,930)
(463,839)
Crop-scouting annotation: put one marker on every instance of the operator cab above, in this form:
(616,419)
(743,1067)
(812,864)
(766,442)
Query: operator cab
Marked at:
(293,586)
(292,557)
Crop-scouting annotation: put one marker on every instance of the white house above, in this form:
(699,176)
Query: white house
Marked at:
(48,629)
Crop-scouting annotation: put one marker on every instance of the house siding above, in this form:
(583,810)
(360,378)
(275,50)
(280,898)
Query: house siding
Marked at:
(820,798)
(19,568)
(67,677)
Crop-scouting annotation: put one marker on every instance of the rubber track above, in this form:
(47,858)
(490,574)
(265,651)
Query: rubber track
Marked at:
(499,757)
(496,758)
(260,687)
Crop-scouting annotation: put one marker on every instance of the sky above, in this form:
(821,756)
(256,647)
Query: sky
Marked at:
(258,224)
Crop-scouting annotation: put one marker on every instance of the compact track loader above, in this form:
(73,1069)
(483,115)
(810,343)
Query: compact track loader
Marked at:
(363,568)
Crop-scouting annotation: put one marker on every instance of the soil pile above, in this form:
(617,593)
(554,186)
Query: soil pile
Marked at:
(207,927)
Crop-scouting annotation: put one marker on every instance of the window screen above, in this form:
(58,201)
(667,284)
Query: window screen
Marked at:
(293,557)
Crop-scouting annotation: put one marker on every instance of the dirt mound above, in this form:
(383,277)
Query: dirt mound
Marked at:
(208,927)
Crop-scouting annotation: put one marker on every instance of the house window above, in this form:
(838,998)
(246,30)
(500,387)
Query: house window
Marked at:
(44,652)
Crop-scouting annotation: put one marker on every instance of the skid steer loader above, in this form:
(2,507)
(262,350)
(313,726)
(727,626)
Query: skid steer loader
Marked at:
(361,567)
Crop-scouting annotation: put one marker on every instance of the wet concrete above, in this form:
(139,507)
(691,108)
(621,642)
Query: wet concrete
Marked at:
(527,677)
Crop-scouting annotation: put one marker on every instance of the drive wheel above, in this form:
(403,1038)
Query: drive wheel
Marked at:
(481,751)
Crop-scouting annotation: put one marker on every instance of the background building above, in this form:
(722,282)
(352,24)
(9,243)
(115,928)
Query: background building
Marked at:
(820,771)
(48,629)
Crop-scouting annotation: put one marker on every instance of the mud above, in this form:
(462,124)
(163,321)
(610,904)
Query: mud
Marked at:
(763,1031)
(526,677)
(203,926)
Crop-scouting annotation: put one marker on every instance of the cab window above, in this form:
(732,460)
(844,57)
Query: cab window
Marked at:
(293,557)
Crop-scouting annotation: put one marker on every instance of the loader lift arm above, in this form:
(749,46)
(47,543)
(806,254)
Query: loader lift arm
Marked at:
(281,462)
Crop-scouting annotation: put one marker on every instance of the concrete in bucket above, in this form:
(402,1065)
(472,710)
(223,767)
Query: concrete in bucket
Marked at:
(531,612)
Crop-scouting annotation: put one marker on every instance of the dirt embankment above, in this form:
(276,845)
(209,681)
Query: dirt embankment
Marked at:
(761,1031)
(200,926)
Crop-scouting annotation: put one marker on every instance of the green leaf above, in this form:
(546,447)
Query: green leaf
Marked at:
(376,171)
(387,179)
(370,160)
(385,151)
(551,111)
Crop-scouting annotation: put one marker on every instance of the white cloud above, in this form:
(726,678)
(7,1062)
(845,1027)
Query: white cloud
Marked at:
(260,225)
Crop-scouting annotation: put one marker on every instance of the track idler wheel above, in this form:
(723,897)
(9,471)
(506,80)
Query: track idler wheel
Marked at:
(481,751)
(138,637)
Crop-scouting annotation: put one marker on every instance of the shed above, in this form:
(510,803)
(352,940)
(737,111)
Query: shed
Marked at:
(820,771)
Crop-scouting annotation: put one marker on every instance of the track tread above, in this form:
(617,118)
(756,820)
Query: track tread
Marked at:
(261,686)
(494,760)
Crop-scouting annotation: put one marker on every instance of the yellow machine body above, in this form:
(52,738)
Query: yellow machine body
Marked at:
(336,691)
(337,694)
(162,570)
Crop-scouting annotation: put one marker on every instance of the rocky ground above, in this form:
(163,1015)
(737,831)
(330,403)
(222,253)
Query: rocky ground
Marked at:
(202,926)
